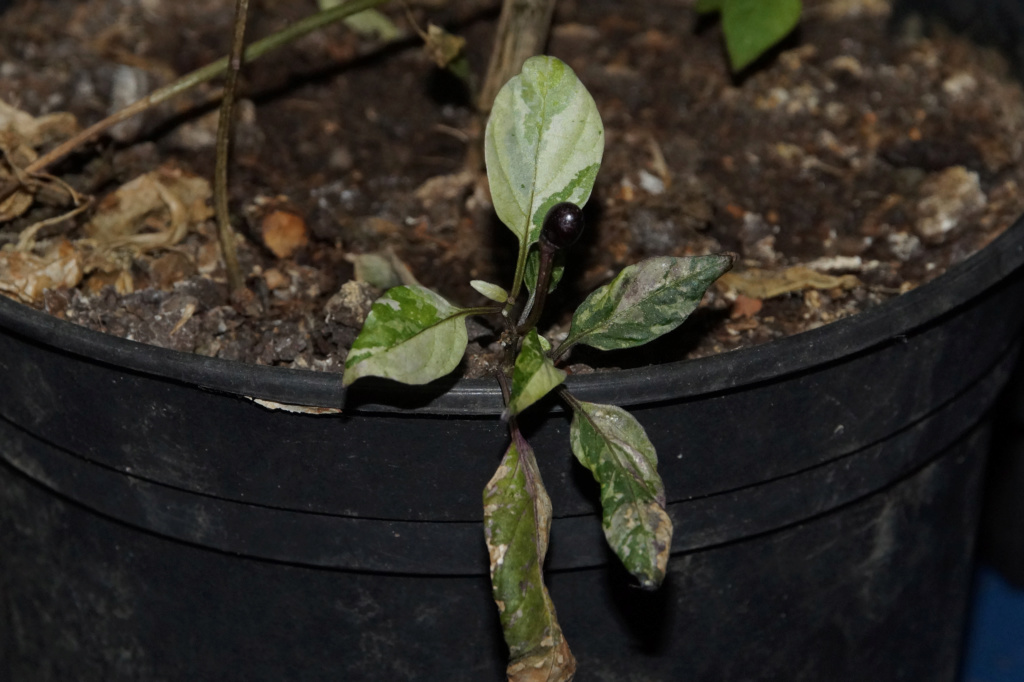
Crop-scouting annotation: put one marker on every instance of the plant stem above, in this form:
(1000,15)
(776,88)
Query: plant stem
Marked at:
(540,292)
(568,397)
(190,80)
(522,32)
(563,348)
(506,392)
(225,234)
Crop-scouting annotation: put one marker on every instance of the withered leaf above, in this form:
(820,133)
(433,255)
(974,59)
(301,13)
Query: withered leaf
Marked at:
(763,284)
(517,522)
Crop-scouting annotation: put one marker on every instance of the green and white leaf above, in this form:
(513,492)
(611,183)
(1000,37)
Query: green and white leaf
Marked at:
(613,445)
(543,145)
(644,301)
(412,335)
(517,524)
(534,374)
(491,291)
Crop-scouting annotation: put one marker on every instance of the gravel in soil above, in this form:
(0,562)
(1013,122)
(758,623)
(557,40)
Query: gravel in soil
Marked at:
(849,166)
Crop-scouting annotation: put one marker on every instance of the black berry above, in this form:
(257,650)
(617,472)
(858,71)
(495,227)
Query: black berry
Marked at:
(563,225)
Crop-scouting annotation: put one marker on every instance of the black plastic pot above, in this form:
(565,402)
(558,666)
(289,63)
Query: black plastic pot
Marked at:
(999,23)
(156,523)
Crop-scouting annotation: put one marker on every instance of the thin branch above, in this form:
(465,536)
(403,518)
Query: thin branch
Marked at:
(225,234)
(191,80)
(522,33)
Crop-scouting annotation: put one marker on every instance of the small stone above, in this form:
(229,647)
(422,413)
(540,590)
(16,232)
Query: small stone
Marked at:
(947,199)
(845,65)
(903,245)
(276,279)
(651,183)
(848,9)
(341,159)
(129,84)
(351,304)
(836,264)
(960,86)
(170,268)
(246,302)
(196,134)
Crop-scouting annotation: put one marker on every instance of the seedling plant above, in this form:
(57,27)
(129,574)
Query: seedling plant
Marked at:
(543,146)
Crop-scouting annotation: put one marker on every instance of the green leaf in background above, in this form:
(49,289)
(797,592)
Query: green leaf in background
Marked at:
(751,27)
(411,335)
(644,301)
(611,443)
(705,6)
(369,23)
(534,375)
(517,522)
(491,291)
(543,145)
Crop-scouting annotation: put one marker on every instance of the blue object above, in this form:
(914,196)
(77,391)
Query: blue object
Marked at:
(995,641)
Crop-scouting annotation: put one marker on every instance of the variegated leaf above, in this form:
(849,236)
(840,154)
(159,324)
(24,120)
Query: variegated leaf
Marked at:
(613,445)
(534,374)
(644,301)
(412,335)
(543,145)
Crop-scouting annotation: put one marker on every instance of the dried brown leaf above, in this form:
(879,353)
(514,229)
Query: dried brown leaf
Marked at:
(15,154)
(37,131)
(154,210)
(764,284)
(27,276)
(441,46)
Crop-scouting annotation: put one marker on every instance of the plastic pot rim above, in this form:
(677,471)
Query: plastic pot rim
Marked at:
(678,380)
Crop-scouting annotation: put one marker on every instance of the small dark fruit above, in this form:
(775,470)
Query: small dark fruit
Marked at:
(563,225)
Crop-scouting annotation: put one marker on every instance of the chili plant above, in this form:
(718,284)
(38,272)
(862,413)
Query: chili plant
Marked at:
(543,147)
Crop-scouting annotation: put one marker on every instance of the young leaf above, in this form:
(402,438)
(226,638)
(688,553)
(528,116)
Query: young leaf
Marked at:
(611,443)
(543,145)
(411,335)
(517,522)
(752,26)
(491,291)
(534,375)
(644,301)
